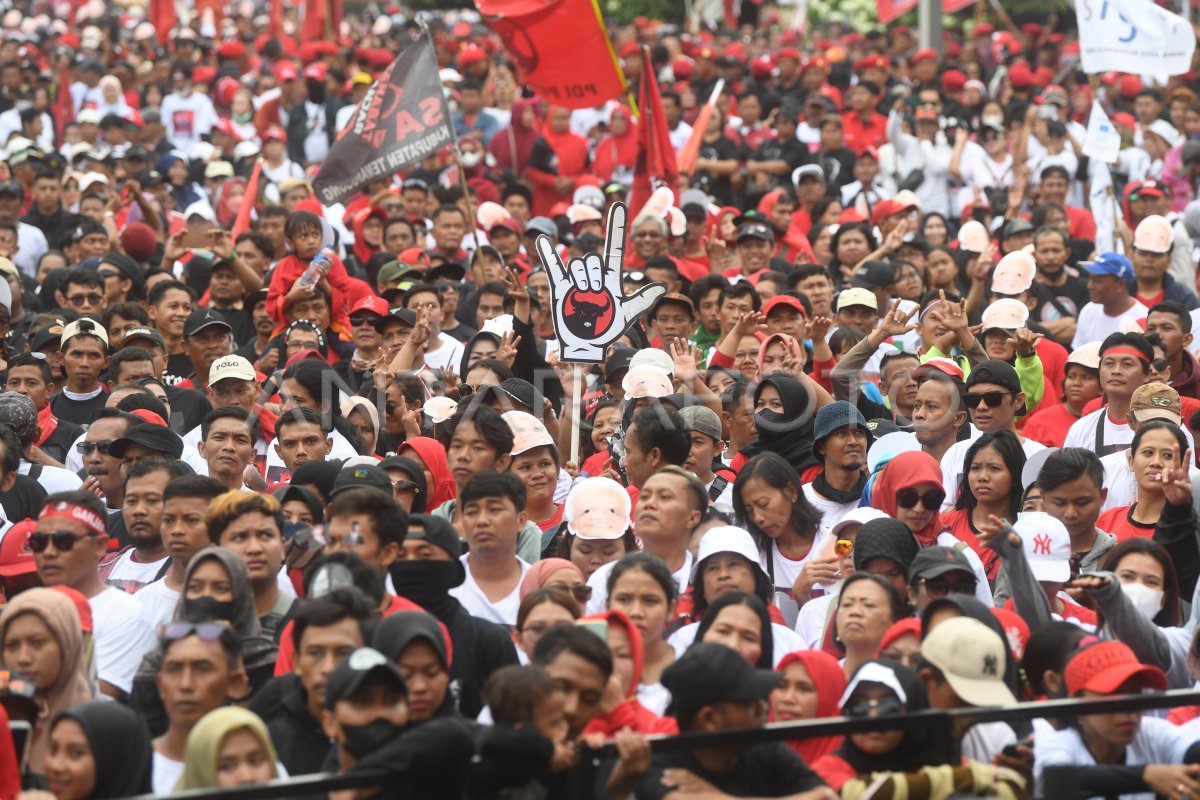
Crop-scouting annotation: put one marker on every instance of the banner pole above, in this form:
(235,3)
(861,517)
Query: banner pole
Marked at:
(576,410)
(462,179)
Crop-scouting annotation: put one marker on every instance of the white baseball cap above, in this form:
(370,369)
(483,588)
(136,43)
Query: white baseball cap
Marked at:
(646,381)
(972,658)
(1086,355)
(856,516)
(1047,546)
(83,327)
(726,539)
(234,367)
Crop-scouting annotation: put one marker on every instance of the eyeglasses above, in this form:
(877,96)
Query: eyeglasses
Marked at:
(580,591)
(842,547)
(361,321)
(882,708)
(87,447)
(207,631)
(404,486)
(940,588)
(89,299)
(64,541)
(991,399)
(932,500)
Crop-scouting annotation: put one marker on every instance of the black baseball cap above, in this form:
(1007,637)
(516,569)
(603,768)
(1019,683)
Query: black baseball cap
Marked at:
(362,476)
(618,361)
(437,531)
(756,230)
(1000,373)
(143,332)
(405,315)
(361,665)
(522,391)
(151,436)
(873,274)
(124,264)
(712,673)
(933,562)
(203,318)
(415,474)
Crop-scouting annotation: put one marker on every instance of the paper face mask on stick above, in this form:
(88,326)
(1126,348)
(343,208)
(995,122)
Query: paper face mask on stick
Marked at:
(597,508)
(590,309)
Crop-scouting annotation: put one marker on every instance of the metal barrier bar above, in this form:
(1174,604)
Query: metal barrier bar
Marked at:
(944,723)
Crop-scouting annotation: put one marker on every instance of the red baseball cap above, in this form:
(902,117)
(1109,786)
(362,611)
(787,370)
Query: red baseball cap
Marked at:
(921,55)
(783,300)
(15,556)
(1104,667)
(371,305)
(942,365)
(285,71)
(274,132)
(508,224)
(316,72)
(414,257)
(888,208)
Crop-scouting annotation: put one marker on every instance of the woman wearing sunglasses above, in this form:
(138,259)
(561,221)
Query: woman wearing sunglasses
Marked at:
(991,485)
(1159,448)
(41,638)
(556,572)
(909,488)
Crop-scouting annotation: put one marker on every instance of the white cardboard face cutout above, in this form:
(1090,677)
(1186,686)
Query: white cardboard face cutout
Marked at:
(590,309)
(598,508)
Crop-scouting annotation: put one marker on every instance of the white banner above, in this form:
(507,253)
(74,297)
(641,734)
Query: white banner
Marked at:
(1103,141)
(1133,36)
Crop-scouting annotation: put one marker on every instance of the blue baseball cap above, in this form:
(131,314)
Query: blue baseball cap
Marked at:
(1113,264)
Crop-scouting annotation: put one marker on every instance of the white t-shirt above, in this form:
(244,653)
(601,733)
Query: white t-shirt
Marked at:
(448,355)
(1120,481)
(473,598)
(953,460)
(191,453)
(130,576)
(166,773)
(726,496)
(1082,433)
(275,468)
(1157,742)
(53,479)
(599,583)
(810,624)
(121,636)
(158,603)
(984,741)
(187,118)
(785,640)
(1093,325)
(831,512)
(654,697)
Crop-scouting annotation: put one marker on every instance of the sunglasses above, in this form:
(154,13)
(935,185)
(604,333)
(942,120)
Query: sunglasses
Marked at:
(207,631)
(361,321)
(941,588)
(882,708)
(80,299)
(991,399)
(64,541)
(842,547)
(931,500)
(404,486)
(88,447)
(580,591)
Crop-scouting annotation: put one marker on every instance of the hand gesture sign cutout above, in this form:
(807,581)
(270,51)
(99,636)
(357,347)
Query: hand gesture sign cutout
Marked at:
(590,311)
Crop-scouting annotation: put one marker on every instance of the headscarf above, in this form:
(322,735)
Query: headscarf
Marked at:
(969,606)
(906,471)
(120,747)
(358,220)
(433,454)
(788,342)
(396,632)
(788,433)
(470,345)
(829,679)
(767,656)
(226,215)
(367,407)
(614,617)
(510,147)
(537,575)
(57,612)
(913,751)
(205,740)
(258,650)
(613,152)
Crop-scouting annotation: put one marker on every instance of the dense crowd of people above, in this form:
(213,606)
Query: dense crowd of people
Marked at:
(292,488)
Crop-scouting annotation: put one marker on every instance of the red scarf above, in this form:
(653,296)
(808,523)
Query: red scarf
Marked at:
(48,424)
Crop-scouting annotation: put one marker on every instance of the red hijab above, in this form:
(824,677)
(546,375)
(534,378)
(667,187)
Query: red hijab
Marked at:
(829,679)
(434,456)
(631,713)
(907,471)
(510,147)
(617,151)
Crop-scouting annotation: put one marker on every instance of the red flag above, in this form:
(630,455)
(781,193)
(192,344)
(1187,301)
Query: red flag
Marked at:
(950,6)
(561,48)
(889,10)
(275,18)
(655,164)
(322,21)
(687,156)
(242,223)
(162,14)
(64,105)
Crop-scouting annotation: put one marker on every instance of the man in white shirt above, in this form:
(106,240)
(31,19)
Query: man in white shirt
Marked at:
(199,673)
(187,114)
(493,514)
(1124,366)
(1109,279)
(670,506)
(68,543)
(146,559)
(840,440)
(440,351)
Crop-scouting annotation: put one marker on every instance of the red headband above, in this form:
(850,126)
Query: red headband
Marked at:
(1126,350)
(88,518)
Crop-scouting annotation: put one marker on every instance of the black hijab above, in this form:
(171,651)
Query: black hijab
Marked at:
(396,632)
(120,747)
(788,433)
(969,606)
(913,751)
(766,657)
(470,346)
(415,474)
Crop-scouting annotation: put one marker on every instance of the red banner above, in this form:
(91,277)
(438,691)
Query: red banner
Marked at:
(889,10)
(561,48)
(655,164)
(162,14)
(64,105)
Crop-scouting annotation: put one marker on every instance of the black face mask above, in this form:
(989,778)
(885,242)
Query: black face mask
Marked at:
(426,583)
(362,740)
(207,609)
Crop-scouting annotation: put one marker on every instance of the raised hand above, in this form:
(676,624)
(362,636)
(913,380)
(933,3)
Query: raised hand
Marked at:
(590,310)
(749,322)
(1025,341)
(818,327)
(896,322)
(1177,485)
(507,352)
(953,314)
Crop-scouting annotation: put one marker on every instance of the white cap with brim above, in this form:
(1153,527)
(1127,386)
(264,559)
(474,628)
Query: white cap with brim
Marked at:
(1047,546)
(235,367)
(726,539)
(972,658)
(857,516)
(874,672)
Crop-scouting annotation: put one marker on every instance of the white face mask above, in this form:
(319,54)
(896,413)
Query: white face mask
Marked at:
(1146,600)
(471,158)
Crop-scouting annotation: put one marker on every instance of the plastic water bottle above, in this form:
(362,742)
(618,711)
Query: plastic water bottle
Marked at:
(317,268)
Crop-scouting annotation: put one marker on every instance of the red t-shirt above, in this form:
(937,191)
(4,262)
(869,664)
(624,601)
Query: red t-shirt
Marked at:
(958,522)
(1049,425)
(1117,521)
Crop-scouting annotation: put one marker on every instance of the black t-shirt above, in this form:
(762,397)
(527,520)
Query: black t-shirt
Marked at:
(179,366)
(793,151)
(242,323)
(838,166)
(1057,302)
(78,411)
(764,770)
(58,444)
(24,500)
(188,407)
(719,186)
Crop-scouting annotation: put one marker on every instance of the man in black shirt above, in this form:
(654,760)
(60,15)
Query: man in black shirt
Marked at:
(713,688)
(31,377)
(85,357)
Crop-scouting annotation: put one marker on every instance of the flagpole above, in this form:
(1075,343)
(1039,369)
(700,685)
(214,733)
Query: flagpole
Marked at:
(576,410)
(462,178)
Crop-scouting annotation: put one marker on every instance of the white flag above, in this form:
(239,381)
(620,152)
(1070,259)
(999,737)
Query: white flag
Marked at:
(1103,141)
(1133,36)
